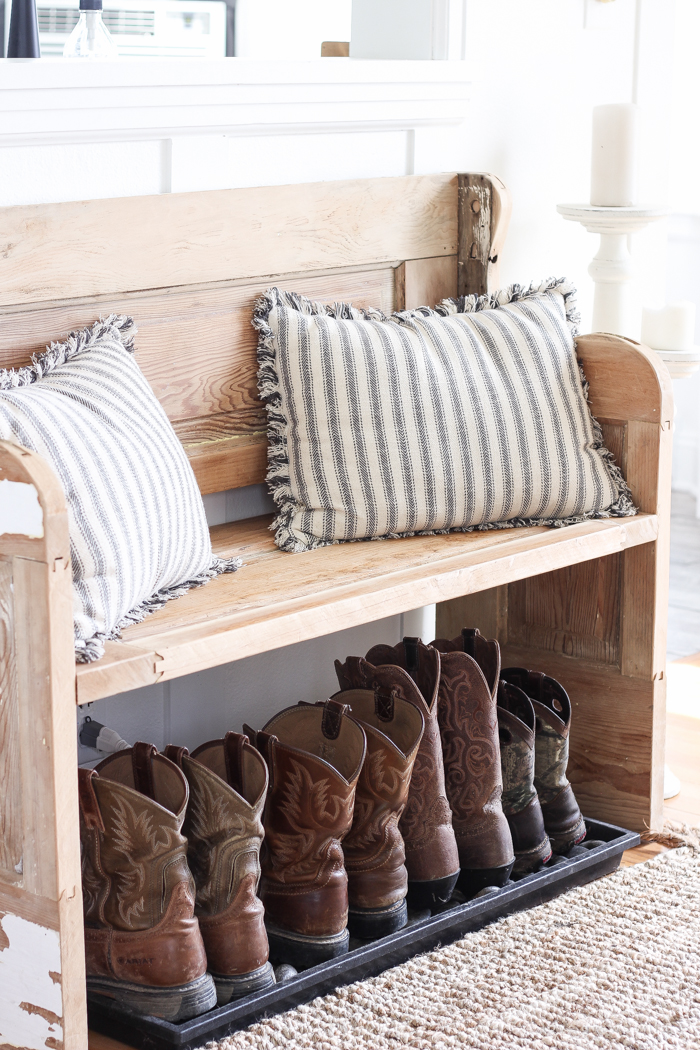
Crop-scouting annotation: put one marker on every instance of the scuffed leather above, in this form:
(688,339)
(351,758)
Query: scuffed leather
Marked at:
(308,813)
(138,892)
(168,954)
(426,824)
(374,849)
(235,939)
(469,730)
(224,832)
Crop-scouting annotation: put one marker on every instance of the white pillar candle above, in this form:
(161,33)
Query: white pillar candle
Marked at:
(670,328)
(614,156)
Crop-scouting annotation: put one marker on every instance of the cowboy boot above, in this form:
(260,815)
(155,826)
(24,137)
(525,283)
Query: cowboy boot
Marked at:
(412,672)
(516,726)
(374,850)
(228,783)
(143,948)
(467,713)
(314,755)
(562,817)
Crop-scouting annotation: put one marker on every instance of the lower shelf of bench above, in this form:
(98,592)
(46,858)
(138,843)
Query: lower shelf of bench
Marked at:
(277,599)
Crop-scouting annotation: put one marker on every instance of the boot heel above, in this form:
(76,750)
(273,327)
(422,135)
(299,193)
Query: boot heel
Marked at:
(229,988)
(369,924)
(301,951)
(471,880)
(179,1003)
(432,894)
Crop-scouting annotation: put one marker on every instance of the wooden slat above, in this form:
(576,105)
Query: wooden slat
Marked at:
(627,381)
(428,281)
(307,595)
(574,611)
(89,248)
(484,213)
(11,830)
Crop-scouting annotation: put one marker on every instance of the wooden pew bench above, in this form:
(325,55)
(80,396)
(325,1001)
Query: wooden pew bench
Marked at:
(586,603)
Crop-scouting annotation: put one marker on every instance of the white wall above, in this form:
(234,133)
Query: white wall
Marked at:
(537,71)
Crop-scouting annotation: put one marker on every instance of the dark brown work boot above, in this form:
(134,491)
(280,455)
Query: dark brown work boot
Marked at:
(516,723)
(314,755)
(228,784)
(562,817)
(143,948)
(412,671)
(374,850)
(469,728)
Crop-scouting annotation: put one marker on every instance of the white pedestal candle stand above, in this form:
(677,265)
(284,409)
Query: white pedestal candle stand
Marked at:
(611,268)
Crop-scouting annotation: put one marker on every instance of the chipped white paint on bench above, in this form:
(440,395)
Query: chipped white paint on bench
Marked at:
(30,985)
(20,510)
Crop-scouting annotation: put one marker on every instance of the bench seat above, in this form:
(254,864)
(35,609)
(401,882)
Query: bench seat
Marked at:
(276,598)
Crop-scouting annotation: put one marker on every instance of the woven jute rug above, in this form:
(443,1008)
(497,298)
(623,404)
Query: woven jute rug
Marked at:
(613,964)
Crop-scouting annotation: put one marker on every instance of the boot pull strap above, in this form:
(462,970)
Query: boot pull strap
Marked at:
(142,766)
(176,754)
(384,703)
(233,757)
(89,805)
(469,640)
(333,713)
(412,656)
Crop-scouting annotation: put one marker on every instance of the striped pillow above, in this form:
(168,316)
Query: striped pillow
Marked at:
(472,415)
(138,533)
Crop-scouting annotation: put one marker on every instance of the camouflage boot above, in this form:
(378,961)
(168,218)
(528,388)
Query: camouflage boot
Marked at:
(562,817)
(516,727)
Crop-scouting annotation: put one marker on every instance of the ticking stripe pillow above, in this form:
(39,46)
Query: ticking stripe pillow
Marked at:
(138,533)
(472,415)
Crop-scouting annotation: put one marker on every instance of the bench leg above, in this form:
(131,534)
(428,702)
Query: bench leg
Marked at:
(42,964)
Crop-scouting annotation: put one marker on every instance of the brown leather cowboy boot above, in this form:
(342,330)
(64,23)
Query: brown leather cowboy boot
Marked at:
(314,755)
(412,671)
(469,668)
(516,722)
(143,948)
(228,784)
(562,817)
(374,850)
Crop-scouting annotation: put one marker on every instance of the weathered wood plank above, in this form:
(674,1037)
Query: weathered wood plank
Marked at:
(57,251)
(484,206)
(307,595)
(11,837)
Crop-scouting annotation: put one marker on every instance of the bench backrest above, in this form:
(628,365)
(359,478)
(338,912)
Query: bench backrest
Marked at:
(189,266)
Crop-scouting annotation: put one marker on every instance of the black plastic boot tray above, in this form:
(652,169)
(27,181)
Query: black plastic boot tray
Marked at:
(370,958)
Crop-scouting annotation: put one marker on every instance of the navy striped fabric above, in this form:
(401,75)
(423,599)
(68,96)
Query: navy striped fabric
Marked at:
(138,531)
(472,415)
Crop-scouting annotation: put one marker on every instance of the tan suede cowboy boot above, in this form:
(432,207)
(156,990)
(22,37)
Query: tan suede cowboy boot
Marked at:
(562,817)
(516,721)
(374,850)
(228,784)
(412,671)
(469,669)
(143,948)
(314,754)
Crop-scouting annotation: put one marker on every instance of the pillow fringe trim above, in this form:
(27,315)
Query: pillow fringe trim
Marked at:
(278,473)
(120,327)
(91,649)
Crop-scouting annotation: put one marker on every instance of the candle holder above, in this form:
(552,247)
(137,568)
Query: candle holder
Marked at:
(681,363)
(612,268)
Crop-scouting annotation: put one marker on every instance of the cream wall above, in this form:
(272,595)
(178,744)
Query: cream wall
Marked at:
(535,71)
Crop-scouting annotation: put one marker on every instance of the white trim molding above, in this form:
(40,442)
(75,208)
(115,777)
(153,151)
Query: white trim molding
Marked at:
(52,101)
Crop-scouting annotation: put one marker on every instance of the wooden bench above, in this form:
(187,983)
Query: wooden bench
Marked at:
(586,603)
